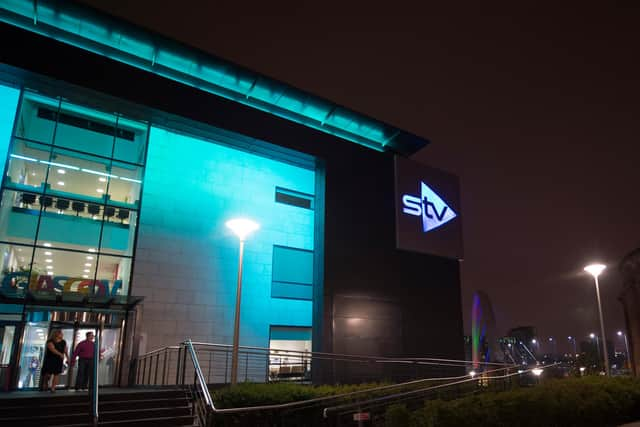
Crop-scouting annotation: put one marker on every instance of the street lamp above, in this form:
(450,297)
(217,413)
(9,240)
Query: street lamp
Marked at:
(595,337)
(595,270)
(626,346)
(241,227)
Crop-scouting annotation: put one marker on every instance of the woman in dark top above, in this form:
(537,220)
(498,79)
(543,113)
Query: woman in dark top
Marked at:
(53,359)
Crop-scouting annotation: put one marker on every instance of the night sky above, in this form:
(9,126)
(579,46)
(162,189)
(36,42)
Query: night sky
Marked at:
(536,109)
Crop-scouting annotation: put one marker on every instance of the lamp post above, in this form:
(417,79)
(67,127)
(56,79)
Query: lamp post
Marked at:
(595,337)
(595,270)
(626,347)
(241,227)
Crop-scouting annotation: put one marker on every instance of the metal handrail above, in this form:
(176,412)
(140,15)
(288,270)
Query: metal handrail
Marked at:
(94,382)
(407,395)
(203,384)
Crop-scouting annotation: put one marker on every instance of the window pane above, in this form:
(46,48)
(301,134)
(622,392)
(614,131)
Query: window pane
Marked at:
(126,187)
(131,139)
(27,165)
(19,216)
(16,263)
(61,228)
(63,271)
(75,174)
(37,118)
(85,130)
(119,232)
(115,271)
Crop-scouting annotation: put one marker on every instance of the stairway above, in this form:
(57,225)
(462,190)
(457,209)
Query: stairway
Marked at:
(117,407)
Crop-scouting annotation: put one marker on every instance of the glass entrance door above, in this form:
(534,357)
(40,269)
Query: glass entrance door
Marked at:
(7,344)
(69,337)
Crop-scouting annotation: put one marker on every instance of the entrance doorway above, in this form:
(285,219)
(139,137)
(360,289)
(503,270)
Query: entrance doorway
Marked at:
(74,327)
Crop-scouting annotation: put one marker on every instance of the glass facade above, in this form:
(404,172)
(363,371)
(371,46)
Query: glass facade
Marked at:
(70,199)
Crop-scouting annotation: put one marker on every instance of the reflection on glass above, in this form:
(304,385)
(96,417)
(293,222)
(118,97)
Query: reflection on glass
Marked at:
(36,121)
(7,334)
(35,338)
(19,216)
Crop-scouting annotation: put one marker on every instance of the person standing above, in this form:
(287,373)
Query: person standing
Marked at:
(84,352)
(56,351)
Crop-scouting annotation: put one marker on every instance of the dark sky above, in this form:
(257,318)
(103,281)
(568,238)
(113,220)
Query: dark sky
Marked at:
(537,109)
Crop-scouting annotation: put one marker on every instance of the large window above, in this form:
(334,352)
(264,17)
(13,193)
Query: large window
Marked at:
(292,273)
(70,198)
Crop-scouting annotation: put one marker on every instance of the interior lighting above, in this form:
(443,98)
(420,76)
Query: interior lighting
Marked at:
(48,253)
(88,264)
(85,276)
(86,270)
(89,257)
(536,371)
(62,171)
(91,250)
(48,260)
(46,244)
(49,267)
(137,181)
(29,159)
(61,183)
(98,173)
(102,179)
(99,190)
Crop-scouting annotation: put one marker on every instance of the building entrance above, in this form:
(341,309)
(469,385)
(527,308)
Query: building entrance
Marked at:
(74,327)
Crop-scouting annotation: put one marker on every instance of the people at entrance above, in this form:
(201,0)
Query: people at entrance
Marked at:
(30,380)
(84,352)
(56,351)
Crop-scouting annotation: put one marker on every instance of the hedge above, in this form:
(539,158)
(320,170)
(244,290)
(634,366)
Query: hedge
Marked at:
(589,401)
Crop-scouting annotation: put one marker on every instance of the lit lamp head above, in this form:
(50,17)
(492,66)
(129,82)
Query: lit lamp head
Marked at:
(592,335)
(242,227)
(595,269)
(537,372)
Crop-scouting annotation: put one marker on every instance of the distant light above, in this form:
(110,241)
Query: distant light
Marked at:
(550,339)
(509,344)
(569,338)
(619,333)
(102,179)
(534,341)
(62,171)
(85,276)
(472,373)
(61,183)
(592,335)
(242,227)
(520,371)
(86,270)
(48,260)
(537,372)
(595,269)
(88,264)
(91,250)
(99,190)
(48,253)
(49,267)
(50,273)
(89,257)
(582,369)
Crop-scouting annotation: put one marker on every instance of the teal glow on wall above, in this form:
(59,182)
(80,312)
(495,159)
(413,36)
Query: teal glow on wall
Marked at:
(8,103)
(87,29)
(192,187)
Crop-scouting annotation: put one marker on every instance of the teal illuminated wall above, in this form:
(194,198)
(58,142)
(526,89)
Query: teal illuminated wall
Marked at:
(8,104)
(186,259)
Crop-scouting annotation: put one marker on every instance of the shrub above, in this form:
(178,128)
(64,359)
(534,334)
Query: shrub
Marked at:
(396,416)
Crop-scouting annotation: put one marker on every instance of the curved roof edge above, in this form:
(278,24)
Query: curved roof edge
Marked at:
(89,29)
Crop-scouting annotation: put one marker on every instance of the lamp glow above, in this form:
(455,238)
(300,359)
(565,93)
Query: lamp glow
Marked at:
(619,333)
(537,372)
(595,269)
(472,373)
(592,335)
(242,227)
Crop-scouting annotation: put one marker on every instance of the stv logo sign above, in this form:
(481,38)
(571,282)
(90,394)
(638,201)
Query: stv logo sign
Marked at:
(433,210)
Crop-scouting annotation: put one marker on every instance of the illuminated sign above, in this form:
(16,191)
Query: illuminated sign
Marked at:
(433,210)
(431,195)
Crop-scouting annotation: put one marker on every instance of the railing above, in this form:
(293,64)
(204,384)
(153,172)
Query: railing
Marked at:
(198,366)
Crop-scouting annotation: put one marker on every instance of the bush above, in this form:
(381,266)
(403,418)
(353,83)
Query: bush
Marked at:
(396,416)
(593,401)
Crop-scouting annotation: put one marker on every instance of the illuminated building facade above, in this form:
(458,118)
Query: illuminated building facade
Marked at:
(124,160)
